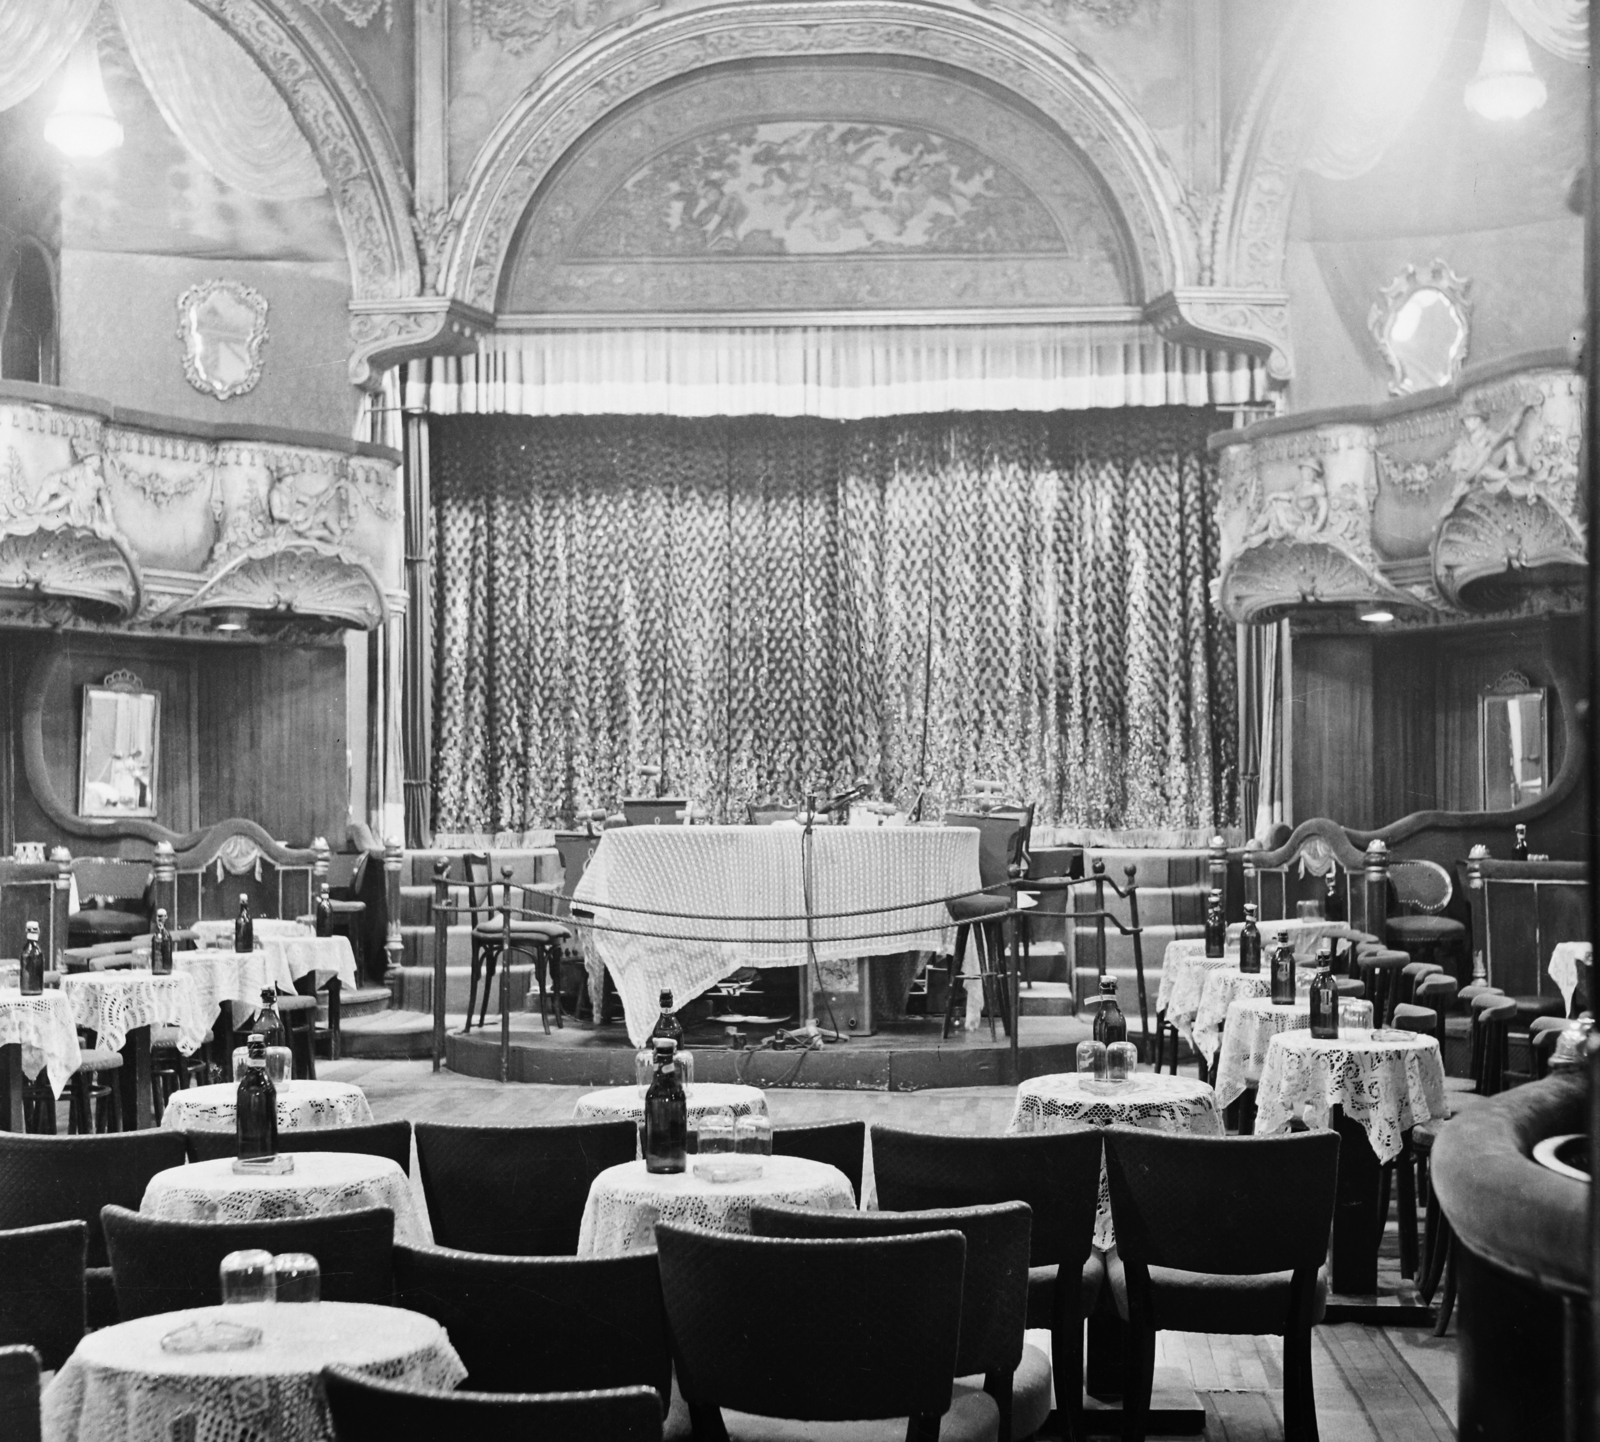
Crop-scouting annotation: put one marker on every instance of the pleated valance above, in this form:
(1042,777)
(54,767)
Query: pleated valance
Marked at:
(831,372)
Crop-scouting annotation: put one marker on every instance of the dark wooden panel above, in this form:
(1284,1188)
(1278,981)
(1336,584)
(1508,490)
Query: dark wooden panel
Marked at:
(1405,731)
(1331,697)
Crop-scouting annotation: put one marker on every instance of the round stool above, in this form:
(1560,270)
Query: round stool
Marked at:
(1380,971)
(299,1014)
(95,1092)
(1425,937)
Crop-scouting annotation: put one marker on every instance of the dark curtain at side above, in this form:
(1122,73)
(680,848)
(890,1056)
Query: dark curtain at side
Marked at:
(765,606)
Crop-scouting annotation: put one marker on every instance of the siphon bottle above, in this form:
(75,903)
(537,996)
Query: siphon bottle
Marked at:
(161,945)
(1109,1023)
(1324,995)
(666,1115)
(256,1109)
(244,930)
(1216,925)
(1283,971)
(1250,942)
(32,969)
(1333,902)
(324,912)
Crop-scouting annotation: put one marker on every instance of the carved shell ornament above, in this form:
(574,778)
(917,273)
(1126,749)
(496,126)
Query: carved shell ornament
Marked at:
(222,325)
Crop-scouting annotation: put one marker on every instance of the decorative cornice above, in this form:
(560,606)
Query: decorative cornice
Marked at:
(386,333)
(1217,318)
(295,579)
(88,567)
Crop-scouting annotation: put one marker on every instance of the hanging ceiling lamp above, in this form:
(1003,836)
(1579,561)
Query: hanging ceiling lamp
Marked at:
(82,125)
(1505,87)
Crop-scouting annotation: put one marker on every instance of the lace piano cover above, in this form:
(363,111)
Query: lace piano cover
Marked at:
(119,1386)
(1251,1025)
(625,1202)
(44,1027)
(303,1106)
(1161,1103)
(321,1182)
(896,877)
(113,1003)
(1387,1087)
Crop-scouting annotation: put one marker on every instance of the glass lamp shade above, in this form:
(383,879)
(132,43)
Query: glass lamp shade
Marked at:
(1505,87)
(82,125)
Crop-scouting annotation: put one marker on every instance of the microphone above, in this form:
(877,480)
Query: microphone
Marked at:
(841,800)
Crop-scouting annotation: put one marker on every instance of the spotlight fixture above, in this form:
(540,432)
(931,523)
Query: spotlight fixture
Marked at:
(82,125)
(1505,87)
(231,620)
(1377,618)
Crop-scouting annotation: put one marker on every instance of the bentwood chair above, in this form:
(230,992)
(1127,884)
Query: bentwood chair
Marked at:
(582,1322)
(838,1144)
(1058,1175)
(166,1266)
(1207,1242)
(539,941)
(43,1299)
(516,1191)
(891,1305)
(376,1139)
(1000,865)
(19,1394)
(994,1294)
(366,1409)
(1424,888)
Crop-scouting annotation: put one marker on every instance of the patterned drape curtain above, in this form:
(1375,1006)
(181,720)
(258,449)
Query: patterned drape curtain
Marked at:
(765,607)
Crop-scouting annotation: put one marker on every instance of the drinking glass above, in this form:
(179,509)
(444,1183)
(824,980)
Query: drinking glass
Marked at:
(1309,910)
(280,1063)
(1092,1059)
(716,1131)
(753,1134)
(1122,1061)
(10,975)
(248,1277)
(299,1278)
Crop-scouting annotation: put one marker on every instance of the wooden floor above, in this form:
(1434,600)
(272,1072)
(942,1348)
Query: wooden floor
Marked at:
(1372,1384)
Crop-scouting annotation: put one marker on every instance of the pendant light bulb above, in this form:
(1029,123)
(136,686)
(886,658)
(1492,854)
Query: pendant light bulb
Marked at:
(1505,87)
(82,125)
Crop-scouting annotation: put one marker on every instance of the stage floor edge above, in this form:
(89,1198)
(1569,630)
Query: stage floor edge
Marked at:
(886,1061)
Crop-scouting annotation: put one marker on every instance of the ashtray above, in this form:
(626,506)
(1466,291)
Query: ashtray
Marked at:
(275,1166)
(211,1335)
(1103,1088)
(729,1169)
(1391,1033)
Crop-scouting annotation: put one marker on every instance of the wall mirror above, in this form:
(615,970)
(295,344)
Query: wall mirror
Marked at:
(120,748)
(223,325)
(1422,323)
(1514,743)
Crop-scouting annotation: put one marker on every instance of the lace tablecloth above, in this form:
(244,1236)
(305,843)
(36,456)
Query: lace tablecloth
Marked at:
(119,1386)
(703,1097)
(46,1030)
(1225,985)
(751,872)
(113,1003)
(237,977)
(262,928)
(1566,961)
(327,956)
(1386,1086)
(303,1106)
(1161,1103)
(321,1182)
(1252,1024)
(626,1202)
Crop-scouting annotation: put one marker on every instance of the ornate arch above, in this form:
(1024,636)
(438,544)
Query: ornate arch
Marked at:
(610,71)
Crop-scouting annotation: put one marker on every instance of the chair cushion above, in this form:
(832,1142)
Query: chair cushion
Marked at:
(977,907)
(165,1038)
(1349,986)
(1419,926)
(973,1417)
(1042,1289)
(1030,1393)
(538,930)
(1250,1305)
(102,924)
(99,1058)
(294,1002)
(1529,1007)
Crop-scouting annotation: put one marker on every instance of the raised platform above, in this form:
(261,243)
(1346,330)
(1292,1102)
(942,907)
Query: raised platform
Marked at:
(905,1059)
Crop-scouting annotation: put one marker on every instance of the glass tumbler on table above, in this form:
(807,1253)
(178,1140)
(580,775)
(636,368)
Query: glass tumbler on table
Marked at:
(1122,1061)
(752,1135)
(280,1063)
(248,1277)
(1092,1059)
(299,1278)
(715,1132)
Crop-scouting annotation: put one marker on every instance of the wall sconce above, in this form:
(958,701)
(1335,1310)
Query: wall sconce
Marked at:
(1505,87)
(82,125)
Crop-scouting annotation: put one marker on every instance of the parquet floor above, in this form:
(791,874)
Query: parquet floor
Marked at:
(1372,1384)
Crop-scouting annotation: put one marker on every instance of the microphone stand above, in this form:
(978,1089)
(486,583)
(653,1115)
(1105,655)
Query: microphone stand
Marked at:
(806,876)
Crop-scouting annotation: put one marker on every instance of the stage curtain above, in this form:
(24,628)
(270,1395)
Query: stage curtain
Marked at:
(35,40)
(768,606)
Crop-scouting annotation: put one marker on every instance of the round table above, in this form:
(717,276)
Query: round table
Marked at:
(1224,985)
(321,1182)
(1566,962)
(1147,1099)
(625,1102)
(46,1031)
(113,1003)
(1184,969)
(303,1106)
(120,1386)
(236,977)
(262,928)
(1252,1024)
(625,1202)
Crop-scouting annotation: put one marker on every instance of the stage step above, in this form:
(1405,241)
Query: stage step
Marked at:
(414,988)
(393,1035)
(1048,998)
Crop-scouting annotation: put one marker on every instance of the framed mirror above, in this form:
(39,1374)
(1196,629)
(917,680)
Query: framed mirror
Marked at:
(120,748)
(223,326)
(1422,322)
(1513,742)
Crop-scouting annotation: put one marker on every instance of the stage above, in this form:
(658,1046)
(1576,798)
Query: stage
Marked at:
(905,1058)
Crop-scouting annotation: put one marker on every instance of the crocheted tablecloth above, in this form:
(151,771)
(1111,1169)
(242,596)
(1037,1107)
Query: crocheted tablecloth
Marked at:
(321,1182)
(1387,1086)
(1225,985)
(120,1386)
(1252,1024)
(327,956)
(236,977)
(46,1030)
(303,1106)
(625,1202)
(1161,1103)
(625,1102)
(262,928)
(113,1003)
(1565,962)
(897,877)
